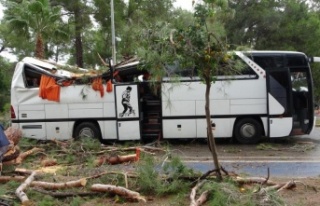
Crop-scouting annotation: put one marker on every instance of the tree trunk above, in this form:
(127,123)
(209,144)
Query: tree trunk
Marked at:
(39,46)
(78,38)
(212,143)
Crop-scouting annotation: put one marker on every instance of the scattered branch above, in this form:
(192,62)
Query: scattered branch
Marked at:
(118,191)
(23,156)
(55,186)
(203,197)
(4,179)
(19,191)
(64,194)
(253,180)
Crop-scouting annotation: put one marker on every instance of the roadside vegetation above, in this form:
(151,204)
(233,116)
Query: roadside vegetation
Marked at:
(158,176)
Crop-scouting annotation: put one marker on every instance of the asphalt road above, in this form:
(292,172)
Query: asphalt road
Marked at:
(288,157)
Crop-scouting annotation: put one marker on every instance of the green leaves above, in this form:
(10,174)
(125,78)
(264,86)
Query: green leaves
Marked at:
(33,19)
(35,7)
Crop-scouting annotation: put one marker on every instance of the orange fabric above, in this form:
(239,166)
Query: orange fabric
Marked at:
(109,86)
(48,88)
(97,85)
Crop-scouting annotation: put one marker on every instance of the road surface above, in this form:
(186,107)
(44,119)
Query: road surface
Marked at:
(292,156)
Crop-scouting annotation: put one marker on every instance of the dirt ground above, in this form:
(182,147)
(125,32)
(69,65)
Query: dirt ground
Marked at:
(305,194)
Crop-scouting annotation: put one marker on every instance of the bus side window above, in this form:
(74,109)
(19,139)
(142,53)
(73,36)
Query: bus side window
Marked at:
(32,78)
(243,68)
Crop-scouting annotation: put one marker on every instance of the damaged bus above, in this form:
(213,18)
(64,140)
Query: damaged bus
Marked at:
(272,96)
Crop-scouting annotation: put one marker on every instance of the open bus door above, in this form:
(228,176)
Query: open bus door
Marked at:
(302,101)
(279,98)
(128,114)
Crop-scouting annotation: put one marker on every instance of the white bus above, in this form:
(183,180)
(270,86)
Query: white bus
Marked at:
(272,97)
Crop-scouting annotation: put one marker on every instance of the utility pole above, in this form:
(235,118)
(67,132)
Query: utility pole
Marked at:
(113,35)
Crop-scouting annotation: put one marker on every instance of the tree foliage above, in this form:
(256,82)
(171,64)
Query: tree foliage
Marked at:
(34,20)
(198,45)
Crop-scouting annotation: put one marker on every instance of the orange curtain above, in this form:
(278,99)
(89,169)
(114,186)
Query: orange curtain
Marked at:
(49,89)
(109,86)
(109,83)
(97,85)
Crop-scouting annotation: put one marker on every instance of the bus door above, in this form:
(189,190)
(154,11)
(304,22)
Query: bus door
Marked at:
(302,99)
(279,103)
(128,114)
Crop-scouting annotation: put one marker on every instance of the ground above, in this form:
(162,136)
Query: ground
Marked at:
(305,194)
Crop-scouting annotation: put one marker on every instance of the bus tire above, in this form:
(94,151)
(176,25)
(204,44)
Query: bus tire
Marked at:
(248,131)
(87,129)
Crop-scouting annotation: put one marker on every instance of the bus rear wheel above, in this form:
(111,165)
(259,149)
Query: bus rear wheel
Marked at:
(248,131)
(87,130)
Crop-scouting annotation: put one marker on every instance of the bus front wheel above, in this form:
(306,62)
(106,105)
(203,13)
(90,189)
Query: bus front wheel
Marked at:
(87,129)
(248,131)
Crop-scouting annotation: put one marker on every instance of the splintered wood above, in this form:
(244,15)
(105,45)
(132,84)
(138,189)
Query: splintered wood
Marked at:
(23,156)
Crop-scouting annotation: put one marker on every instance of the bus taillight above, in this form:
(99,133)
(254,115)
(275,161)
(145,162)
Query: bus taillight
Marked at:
(13,114)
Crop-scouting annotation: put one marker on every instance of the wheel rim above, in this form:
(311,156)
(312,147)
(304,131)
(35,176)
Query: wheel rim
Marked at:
(248,131)
(86,132)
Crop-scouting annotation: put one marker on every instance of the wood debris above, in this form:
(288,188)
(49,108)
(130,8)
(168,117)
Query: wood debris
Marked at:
(19,191)
(121,191)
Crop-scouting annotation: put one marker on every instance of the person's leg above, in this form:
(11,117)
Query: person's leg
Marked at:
(125,108)
(130,108)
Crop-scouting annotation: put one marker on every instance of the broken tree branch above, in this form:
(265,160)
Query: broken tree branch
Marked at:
(64,194)
(289,185)
(118,191)
(19,191)
(253,180)
(60,185)
(117,159)
(23,156)
(4,179)
(203,197)
(46,185)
